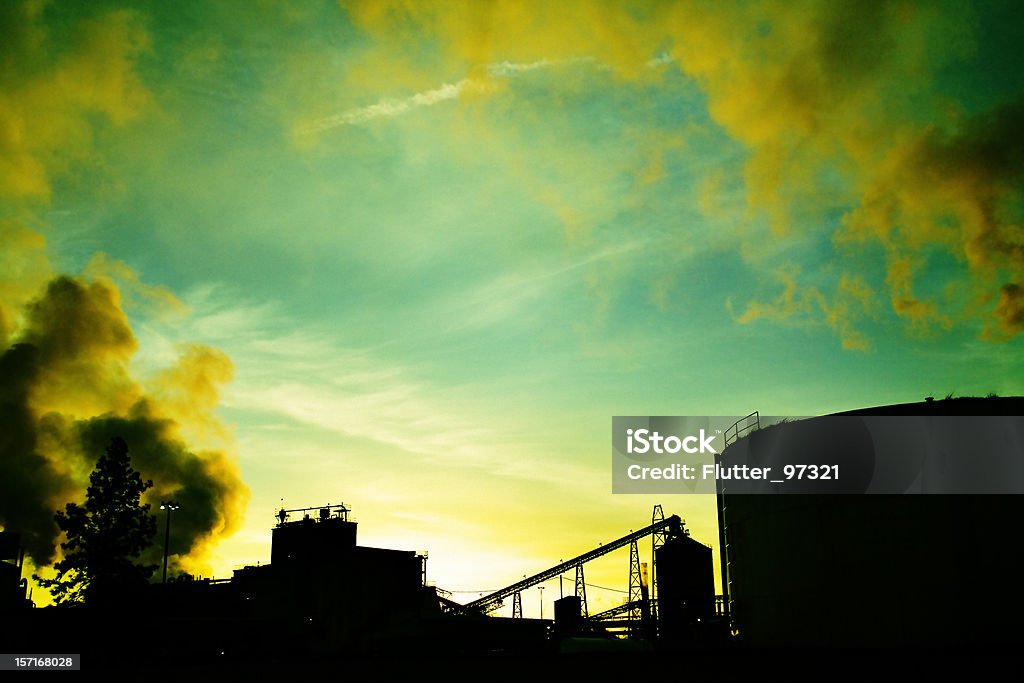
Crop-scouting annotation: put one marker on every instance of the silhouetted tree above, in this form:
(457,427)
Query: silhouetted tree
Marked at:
(104,536)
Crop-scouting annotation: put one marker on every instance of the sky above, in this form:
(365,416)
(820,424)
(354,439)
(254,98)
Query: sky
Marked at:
(414,256)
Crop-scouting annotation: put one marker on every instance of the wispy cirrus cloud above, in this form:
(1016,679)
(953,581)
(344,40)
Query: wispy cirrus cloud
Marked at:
(507,296)
(311,377)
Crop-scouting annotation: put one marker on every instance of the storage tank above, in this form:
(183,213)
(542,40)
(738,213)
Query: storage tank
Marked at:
(855,568)
(686,586)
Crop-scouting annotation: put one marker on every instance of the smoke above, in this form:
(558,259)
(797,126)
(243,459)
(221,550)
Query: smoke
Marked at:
(67,390)
(69,76)
(29,484)
(204,483)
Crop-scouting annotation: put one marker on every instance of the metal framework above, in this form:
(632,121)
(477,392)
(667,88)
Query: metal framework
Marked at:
(617,611)
(322,513)
(449,606)
(657,540)
(635,584)
(494,600)
(517,605)
(581,590)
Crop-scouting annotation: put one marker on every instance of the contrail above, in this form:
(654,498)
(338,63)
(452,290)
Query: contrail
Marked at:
(392,107)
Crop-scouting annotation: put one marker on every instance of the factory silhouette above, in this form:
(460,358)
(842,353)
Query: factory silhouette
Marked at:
(810,570)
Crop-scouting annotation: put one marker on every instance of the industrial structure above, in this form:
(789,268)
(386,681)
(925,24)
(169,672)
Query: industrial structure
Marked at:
(12,586)
(667,609)
(324,592)
(836,569)
(870,570)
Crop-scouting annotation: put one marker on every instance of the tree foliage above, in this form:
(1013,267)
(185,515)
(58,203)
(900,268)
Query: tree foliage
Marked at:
(105,536)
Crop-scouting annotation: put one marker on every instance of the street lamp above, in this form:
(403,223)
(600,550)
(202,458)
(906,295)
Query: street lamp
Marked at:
(167,505)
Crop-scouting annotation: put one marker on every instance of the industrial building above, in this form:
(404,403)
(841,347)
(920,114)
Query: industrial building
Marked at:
(322,592)
(322,595)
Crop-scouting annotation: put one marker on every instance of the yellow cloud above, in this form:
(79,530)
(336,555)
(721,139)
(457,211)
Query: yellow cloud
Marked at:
(475,34)
(853,302)
(1009,312)
(156,299)
(835,104)
(53,89)
(24,268)
(954,190)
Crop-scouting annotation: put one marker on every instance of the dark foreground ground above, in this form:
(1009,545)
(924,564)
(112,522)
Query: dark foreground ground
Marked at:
(150,649)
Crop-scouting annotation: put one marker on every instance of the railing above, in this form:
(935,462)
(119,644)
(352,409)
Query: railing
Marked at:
(619,610)
(742,427)
(724,604)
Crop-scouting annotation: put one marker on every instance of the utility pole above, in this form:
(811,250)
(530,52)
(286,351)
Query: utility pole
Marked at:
(169,506)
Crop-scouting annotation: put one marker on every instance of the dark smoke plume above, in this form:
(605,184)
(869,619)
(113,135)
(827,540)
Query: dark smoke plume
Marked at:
(66,390)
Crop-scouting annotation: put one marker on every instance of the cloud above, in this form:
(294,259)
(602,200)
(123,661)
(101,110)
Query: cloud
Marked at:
(58,84)
(821,92)
(474,35)
(24,268)
(838,108)
(509,295)
(153,299)
(849,308)
(958,190)
(1009,311)
(311,378)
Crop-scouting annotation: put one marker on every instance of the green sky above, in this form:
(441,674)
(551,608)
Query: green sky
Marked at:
(436,246)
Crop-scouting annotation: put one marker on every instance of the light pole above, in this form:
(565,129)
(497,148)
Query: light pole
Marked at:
(541,589)
(167,505)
